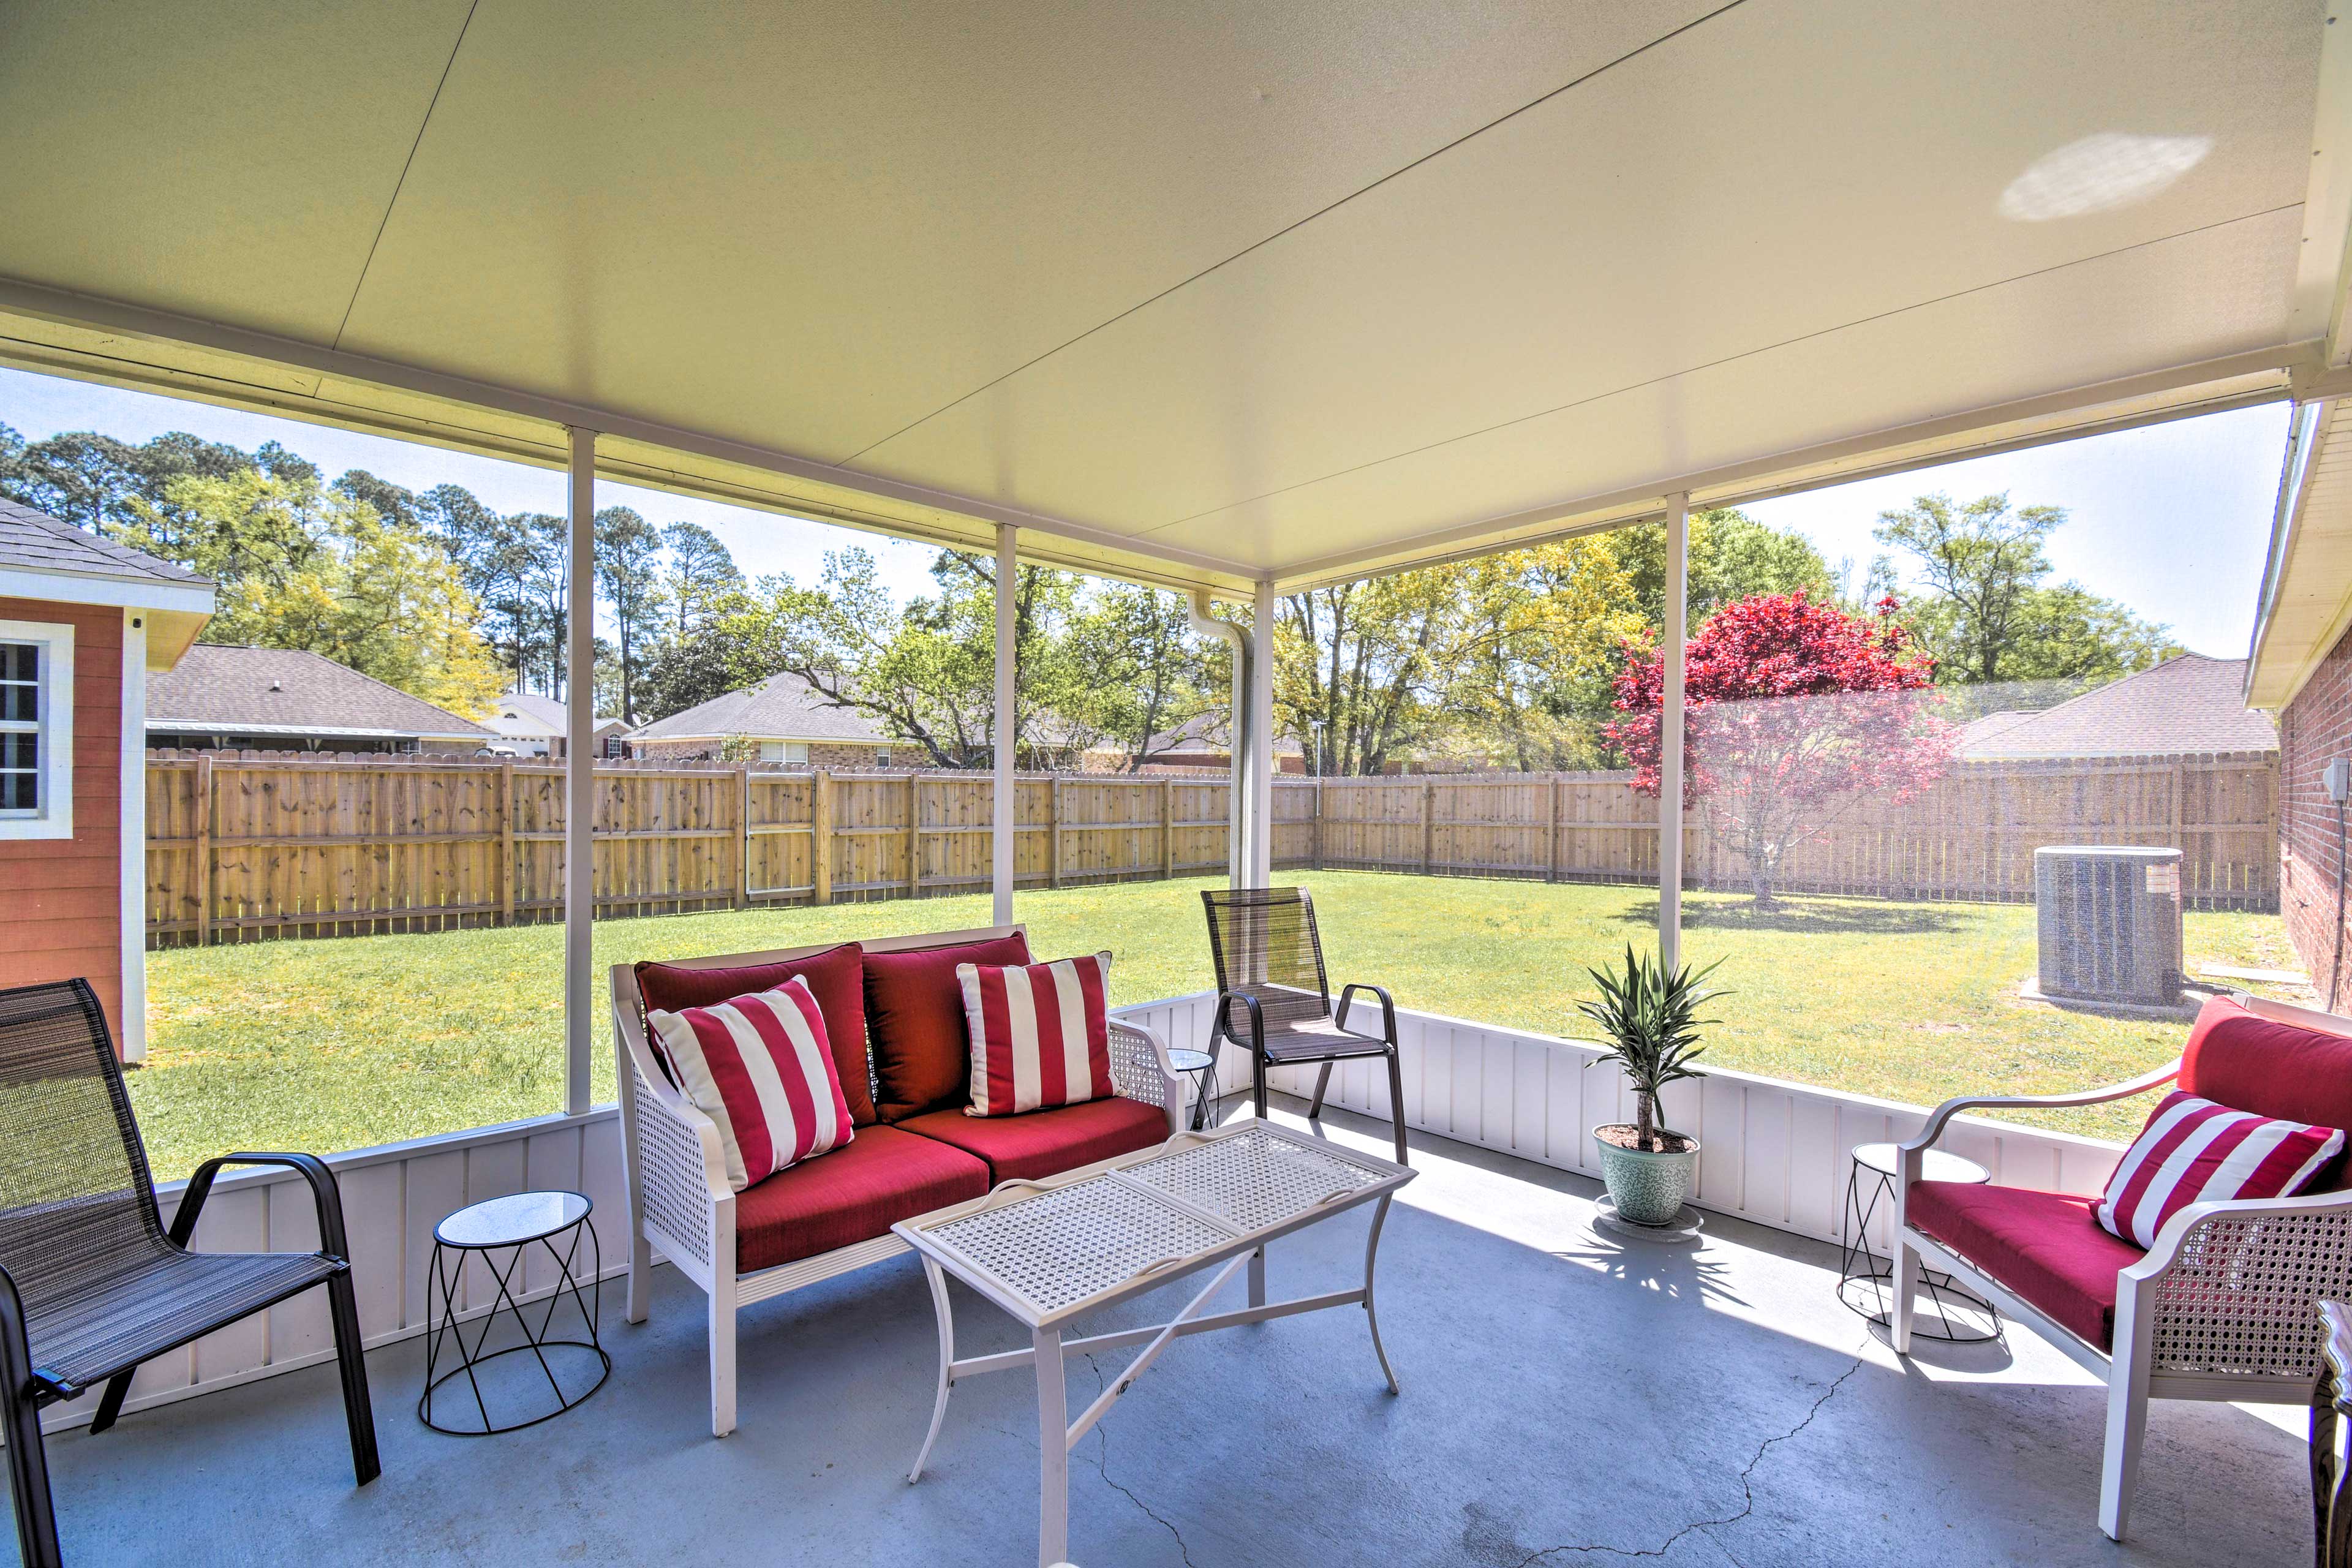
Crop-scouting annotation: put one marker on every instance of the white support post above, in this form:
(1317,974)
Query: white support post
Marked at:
(1670,735)
(131,1038)
(580,774)
(1001,837)
(1259,833)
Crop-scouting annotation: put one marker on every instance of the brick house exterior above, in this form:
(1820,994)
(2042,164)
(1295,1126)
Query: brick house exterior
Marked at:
(2313,727)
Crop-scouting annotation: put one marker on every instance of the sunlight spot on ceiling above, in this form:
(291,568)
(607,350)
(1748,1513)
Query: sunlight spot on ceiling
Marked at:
(2099,173)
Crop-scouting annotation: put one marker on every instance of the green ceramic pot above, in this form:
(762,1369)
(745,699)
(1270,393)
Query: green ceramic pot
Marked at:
(1647,1188)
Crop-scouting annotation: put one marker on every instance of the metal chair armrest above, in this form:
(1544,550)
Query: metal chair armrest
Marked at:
(1256,1044)
(332,1243)
(1913,1153)
(1388,1008)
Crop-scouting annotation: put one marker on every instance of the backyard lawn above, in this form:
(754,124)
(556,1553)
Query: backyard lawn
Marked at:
(337,1044)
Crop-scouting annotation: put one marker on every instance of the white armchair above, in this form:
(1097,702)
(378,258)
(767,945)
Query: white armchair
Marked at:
(2221,1307)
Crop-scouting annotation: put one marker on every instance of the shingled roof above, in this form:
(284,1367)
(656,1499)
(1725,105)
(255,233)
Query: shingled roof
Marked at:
(2188,704)
(35,542)
(781,708)
(287,691)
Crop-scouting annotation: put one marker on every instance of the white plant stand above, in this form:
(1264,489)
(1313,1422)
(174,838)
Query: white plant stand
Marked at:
(1048,1251)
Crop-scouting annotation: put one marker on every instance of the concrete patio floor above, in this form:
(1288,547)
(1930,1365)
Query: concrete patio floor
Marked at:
(1567,1399)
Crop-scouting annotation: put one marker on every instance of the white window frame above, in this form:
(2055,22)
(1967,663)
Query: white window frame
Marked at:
(782,751)
(53,816)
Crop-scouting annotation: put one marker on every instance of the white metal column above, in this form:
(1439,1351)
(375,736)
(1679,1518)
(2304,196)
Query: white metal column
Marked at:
(1008,568)
(131,1037)
(1259,833)
(580,774)
(1670,734)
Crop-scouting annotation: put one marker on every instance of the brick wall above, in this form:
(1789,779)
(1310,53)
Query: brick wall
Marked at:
(2313,727)
(61,899)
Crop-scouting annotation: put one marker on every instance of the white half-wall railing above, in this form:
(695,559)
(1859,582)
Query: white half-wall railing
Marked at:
(1773,1152)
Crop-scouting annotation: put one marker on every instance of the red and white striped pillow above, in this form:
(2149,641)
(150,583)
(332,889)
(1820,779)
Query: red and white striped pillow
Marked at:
(1040,1033)
(2193,1151)
(761,1068)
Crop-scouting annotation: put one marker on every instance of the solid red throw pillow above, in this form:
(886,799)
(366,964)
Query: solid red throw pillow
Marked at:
(2193,1151)
(914,1015)
(837,978)
(1040,1033)
(761,1067)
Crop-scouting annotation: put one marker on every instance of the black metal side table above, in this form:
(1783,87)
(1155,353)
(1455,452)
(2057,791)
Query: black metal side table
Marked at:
(516,1226)
(1203,1065)
(1866,1282)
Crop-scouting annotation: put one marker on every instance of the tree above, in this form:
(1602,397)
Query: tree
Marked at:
(105,485)
(1796,710)
(300,566)
(627,551)
(1147,673)
(1987,614)
(700,575)
(1732,557)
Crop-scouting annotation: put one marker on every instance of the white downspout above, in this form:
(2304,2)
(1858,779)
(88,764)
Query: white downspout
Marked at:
(1237,848)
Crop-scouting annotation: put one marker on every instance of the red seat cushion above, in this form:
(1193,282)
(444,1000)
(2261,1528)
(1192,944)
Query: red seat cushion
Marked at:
(854,1193)
(835,978)
(913,1017)
(1038,1143)
(2046,1247)
(2247,1062)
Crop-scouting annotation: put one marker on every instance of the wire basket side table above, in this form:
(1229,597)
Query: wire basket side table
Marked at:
(515,1224)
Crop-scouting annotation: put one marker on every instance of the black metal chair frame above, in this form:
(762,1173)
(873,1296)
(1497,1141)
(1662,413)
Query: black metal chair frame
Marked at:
(27,1386)
(1249,998)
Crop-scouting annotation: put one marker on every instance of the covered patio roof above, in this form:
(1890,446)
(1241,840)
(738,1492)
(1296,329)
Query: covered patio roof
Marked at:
(1238,296)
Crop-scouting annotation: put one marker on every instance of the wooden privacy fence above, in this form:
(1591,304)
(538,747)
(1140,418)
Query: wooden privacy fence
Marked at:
(243,845)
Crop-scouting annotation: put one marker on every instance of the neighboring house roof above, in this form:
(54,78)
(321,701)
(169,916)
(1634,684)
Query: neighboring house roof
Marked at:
(287,691)
(1982,729)
(781,708)
(529,715)
(2186,704)
(43,557)
(1208,731)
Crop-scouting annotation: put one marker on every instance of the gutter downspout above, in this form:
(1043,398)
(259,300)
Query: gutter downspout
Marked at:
(1238,857)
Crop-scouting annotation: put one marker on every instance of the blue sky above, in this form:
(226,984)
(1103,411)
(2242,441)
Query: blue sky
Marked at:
(2170,519)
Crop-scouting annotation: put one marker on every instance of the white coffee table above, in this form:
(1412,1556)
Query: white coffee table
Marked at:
(1047,1251)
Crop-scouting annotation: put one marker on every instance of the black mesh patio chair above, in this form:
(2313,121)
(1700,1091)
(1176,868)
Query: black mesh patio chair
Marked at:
(91,1283)
(1273,1002)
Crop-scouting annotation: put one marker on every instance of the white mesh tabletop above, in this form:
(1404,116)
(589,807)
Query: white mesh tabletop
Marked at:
(1069,1242)
(1255,1178)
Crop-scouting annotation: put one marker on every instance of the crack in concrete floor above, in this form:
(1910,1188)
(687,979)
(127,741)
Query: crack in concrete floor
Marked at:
(1748,1493)
(1102,1468)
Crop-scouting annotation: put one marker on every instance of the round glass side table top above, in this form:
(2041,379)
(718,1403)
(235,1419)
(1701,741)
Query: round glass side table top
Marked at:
(1949,1312)
(1185,1060)
(492,1253)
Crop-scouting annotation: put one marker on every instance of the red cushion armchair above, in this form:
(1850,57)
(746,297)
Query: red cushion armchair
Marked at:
(2223,1305)
(914,1149)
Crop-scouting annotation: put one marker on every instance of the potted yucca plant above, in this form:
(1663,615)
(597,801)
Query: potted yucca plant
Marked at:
(1649,1020)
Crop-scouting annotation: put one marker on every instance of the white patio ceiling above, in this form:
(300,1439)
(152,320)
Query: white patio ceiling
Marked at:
(1201,294)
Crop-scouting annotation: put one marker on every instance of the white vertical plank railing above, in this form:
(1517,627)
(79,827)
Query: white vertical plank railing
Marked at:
(1773,1152)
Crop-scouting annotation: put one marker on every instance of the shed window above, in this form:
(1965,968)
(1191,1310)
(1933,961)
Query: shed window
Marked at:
(36,730)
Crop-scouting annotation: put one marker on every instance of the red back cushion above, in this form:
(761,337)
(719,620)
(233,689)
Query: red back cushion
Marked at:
(2247,1062)
(835,978)
(914,1014)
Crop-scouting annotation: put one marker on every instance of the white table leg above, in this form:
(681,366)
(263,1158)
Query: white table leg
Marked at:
(938,1281)
(1371,1318)
(1053,1452)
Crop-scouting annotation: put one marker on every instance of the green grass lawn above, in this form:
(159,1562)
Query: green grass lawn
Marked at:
(337,1044)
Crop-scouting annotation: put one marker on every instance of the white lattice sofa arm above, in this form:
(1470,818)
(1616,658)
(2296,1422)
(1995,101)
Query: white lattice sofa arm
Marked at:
(2227,1289)
(1914,1153)
(1139,1071)
(676,1168)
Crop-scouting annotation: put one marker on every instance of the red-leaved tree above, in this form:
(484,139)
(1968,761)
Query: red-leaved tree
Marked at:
(1794,711)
